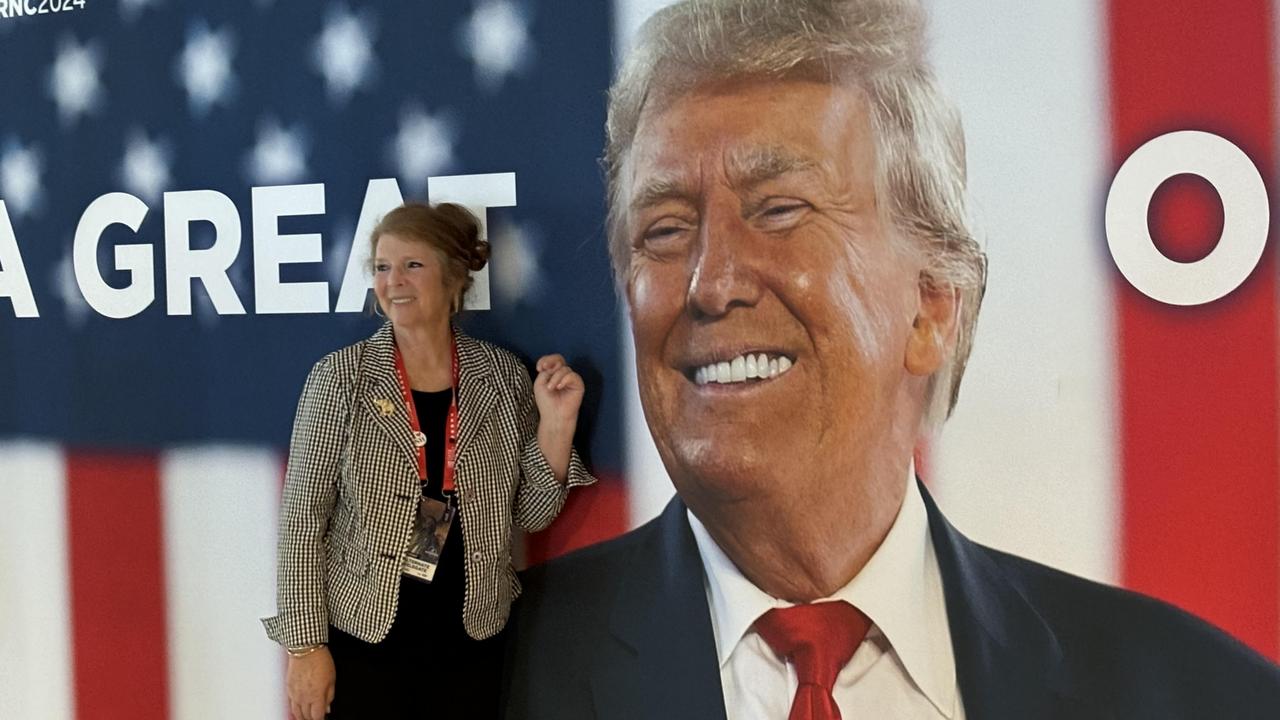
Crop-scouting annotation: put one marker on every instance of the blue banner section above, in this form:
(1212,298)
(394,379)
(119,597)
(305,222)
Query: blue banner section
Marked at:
(188,107)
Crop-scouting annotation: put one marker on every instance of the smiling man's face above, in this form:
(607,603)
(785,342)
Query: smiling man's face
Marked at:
(772,312)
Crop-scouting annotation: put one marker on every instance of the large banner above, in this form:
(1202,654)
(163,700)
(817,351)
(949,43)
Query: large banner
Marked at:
(186,191)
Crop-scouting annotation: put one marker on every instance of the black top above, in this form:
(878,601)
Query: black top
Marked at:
(433,417)
(442,597)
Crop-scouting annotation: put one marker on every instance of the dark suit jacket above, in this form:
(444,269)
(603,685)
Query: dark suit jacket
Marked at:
(622,630)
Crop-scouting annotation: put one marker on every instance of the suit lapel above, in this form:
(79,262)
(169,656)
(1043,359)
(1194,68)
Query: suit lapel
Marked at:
(662,663)
(379,389)
(1008,660)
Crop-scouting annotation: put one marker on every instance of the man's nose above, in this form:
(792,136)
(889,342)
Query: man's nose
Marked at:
(724,272)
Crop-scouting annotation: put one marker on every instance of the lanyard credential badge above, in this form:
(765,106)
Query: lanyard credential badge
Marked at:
(434,517)
(429,535)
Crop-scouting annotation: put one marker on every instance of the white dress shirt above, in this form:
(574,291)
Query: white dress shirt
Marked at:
(903,669)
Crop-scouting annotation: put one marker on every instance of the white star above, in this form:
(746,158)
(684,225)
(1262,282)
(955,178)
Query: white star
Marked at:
(20,178)
(131,9)
(278,157)
(343,53)
(514,272)
(204,68)
(145,168)
(73,81)
(423,146)
(496,38)
(68,290)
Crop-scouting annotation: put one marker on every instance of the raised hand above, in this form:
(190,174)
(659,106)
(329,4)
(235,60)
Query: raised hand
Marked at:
(558,393)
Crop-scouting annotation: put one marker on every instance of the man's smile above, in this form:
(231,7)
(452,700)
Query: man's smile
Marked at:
(750,366)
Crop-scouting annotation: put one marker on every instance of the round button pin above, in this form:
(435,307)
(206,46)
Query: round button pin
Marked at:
(419,438)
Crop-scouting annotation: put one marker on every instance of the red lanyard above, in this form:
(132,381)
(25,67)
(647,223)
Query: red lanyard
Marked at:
(420,439)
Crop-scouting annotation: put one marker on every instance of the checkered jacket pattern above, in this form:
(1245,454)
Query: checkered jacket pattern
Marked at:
(351,491)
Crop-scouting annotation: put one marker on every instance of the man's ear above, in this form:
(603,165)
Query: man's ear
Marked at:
(933,332)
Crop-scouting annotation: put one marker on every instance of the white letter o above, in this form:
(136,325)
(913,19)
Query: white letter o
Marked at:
(1245,217)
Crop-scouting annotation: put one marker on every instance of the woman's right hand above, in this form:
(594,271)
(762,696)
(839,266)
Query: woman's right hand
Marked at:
(309,680)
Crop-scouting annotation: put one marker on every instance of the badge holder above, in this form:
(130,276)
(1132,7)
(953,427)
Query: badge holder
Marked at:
(429,535)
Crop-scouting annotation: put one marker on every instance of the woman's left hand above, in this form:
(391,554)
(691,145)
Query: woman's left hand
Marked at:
(558,392)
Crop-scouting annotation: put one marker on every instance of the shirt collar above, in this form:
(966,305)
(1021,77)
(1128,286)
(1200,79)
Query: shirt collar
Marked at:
(900,589)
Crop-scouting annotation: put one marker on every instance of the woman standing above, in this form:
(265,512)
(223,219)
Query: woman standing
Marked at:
(412,453)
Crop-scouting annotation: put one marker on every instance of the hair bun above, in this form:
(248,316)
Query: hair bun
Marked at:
(472,251)
(479,255)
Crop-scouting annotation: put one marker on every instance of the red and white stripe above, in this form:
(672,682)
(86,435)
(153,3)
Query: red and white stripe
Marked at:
(1101,431)
(130,585)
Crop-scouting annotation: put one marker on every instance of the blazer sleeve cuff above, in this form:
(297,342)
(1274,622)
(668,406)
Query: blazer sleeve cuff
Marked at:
(296,634)
(538,473)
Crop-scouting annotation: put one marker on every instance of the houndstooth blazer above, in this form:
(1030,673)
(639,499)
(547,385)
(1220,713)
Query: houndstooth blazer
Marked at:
(351,491)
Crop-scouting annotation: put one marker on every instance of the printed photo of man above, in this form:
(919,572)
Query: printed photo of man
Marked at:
(789,227)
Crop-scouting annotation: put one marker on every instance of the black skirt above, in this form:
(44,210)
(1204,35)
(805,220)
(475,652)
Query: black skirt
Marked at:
(426,668)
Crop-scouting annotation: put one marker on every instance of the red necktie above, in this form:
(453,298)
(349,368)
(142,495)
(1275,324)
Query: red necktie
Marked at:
(818,639)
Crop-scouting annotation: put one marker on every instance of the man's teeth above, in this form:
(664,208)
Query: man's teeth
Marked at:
(742,368)
(400,301)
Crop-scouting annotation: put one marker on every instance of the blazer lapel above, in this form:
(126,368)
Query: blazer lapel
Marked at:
(477,392)
(379,389)
(1008,660)
(663,662)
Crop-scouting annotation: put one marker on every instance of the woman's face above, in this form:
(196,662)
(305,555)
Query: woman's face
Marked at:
(410,283)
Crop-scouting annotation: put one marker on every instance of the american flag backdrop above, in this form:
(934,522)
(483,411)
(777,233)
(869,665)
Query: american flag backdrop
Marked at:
(141,456)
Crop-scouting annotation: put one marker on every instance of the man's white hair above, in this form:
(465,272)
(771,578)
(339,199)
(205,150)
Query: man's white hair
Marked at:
(877,46)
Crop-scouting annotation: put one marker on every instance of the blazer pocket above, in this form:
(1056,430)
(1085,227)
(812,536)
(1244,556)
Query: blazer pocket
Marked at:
(513,582)
(345,553)
(354,559)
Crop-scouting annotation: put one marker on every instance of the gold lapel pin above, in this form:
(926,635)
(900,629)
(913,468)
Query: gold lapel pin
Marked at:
(385,406)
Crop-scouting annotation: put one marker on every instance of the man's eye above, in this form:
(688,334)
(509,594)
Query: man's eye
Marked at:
(381,267)
(783,209)
(414,264)
(663,238)
(658,233)
(779,215)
